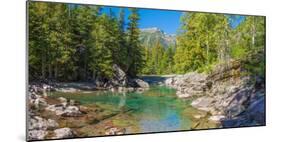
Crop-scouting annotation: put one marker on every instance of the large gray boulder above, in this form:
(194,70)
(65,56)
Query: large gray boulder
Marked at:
(119,76)
(142,84)
(188,85)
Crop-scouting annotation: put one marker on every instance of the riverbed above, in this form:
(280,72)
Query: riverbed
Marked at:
(155,110)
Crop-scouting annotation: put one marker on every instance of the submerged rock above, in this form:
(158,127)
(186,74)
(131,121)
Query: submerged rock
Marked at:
(115,131)
(67,111)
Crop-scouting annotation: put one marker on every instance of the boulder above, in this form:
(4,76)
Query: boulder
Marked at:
(188,85)
(169,81)
(71,111)
(39,123)
(67,90)
(63,133)
(58,109)
(62,99)
(64,110)
(203,103)
(217,118)
(37,100)
(119,76)
(115,131)
(37,134)
(140,83)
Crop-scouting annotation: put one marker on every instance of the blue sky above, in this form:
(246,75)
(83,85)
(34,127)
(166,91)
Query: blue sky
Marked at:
(168,21)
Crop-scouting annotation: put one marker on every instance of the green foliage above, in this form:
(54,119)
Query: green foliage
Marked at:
(135,51)
(72,43)
(158,60)
(75,42)
(248,45)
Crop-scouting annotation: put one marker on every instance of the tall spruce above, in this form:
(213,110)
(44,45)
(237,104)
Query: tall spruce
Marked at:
(134,49)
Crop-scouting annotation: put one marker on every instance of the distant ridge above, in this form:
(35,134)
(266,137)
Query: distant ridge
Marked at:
(150,36)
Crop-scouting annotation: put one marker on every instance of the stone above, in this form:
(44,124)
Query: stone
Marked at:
(141,83)
(169,81)
(71,111)
(39,123)
(119,76)
(52,124)
(238,102)
(37,134)
(181,95)
(188,85)
(256,111)
(202,102)
(72,103)
(62,99)
(217,118)
(58,109)
(37,100)
(115,131)
(64,110)
(68,90)
(63,133)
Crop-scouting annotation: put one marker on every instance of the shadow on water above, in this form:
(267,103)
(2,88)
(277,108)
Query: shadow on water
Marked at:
(153,79)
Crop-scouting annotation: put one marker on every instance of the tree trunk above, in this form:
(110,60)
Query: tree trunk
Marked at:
(43,66)
(253,33)
(50,71)
(56,70)
(207,44)
(253,37)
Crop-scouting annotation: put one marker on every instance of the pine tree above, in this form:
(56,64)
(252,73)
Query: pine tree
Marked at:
(134,49)
(121,39)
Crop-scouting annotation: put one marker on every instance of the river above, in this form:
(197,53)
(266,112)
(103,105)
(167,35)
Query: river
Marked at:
(157,109)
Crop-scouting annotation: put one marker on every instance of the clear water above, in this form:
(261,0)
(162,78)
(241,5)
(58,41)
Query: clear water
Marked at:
(157,109)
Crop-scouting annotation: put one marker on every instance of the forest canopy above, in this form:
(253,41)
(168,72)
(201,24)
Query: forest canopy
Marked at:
(79,42)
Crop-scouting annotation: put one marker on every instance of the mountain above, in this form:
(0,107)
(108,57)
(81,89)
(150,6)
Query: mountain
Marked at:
(150,36)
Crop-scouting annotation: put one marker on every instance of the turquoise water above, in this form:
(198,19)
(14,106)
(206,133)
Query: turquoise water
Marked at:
(157,109)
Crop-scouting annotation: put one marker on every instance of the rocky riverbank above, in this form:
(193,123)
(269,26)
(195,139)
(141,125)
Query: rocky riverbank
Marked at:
(55,118)
(231,98)
(120,82)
